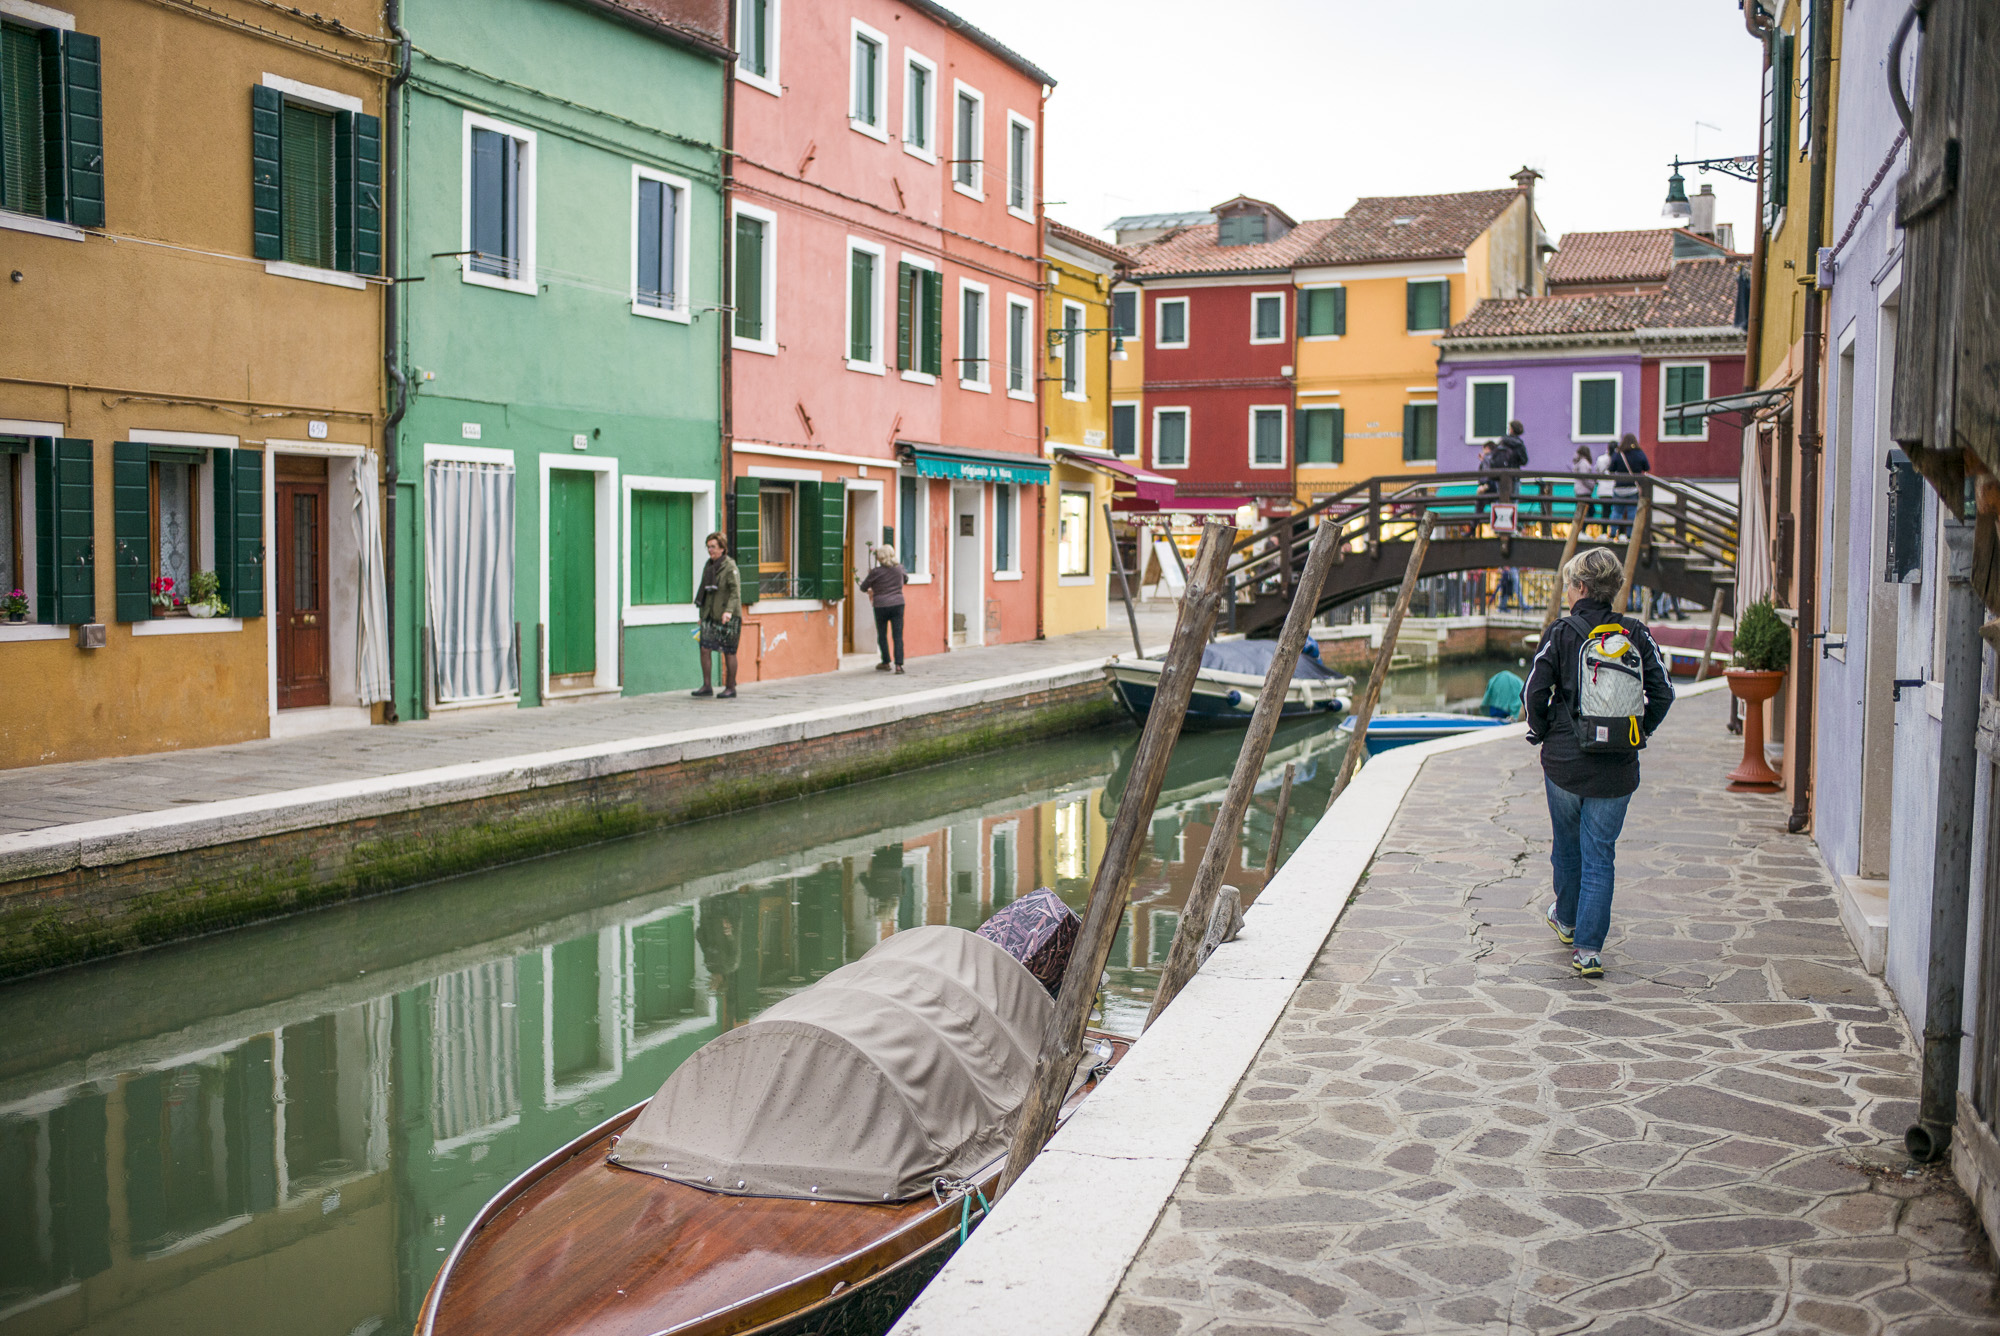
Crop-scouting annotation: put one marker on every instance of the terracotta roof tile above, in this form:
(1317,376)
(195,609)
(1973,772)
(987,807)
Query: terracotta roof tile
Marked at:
(1700,294)
(1599,313)
(1193,250)
(1410,227)
(1085,241)
(1613,257)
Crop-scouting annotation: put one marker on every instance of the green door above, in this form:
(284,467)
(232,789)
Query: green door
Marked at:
(572,572)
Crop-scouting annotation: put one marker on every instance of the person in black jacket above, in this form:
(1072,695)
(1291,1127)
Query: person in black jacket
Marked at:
(1588,793)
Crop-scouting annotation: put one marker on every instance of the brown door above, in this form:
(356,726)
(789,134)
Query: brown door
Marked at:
(302,641)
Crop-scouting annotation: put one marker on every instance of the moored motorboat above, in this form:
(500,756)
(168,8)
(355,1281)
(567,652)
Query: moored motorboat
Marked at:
(1230,682)
(1387,731)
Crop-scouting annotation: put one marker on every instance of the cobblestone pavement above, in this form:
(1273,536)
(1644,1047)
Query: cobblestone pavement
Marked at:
(1447,1131)
(53,795)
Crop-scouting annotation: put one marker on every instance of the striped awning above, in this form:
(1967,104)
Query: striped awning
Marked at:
(938,461)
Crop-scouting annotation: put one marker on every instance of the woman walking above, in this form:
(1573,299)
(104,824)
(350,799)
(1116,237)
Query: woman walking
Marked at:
(884,587)
(719,602)
(1628,459)
(1585,469)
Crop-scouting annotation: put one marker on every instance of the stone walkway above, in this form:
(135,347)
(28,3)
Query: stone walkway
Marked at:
(1447,1131)
(53,795)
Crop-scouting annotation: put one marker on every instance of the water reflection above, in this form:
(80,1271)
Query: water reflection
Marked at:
(282,1129)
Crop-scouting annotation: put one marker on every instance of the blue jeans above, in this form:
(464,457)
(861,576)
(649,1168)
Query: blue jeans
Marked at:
(1585,859)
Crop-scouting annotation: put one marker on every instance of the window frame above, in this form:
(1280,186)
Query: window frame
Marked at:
(1305,307)
(1025,366)
(1702,422)
(1025,211)
(877,366)
(525,282)
(1472,436)
(1444,305)
(1300,436)
(1160,305)
(1066,309)
(1187,437)
(703,492)
(1138,428)
(789,566)
(920,313)
(913,60)
(331,101)
(1138,296)
(1255,299)
(1072,578)
(682,311)
(768,345)
(984,383)
(1576,383)
(876,128)
(769,81)
(976,188)
(1012,532)
(1283,411)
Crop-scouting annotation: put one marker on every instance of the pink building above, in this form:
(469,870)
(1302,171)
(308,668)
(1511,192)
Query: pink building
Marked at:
(885,224)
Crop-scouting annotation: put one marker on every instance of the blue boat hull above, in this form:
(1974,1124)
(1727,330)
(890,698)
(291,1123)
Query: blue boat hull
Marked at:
(1386,732)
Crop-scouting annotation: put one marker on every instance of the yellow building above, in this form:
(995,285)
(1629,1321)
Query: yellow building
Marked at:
(1372,299)
(1079,271)
(192,346)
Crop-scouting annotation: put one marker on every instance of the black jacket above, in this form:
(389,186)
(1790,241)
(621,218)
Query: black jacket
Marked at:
(1510,453)
(1552,683)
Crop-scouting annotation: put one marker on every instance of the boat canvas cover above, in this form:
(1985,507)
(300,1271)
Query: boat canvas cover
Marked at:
(1253,658)
(905,1066)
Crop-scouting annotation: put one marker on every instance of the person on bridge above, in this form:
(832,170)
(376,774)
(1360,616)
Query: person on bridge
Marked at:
(1628,459)
(1585,469)
(1590,761)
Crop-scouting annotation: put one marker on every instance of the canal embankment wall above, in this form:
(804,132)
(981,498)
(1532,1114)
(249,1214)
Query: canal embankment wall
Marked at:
(87,890)
(1351,648)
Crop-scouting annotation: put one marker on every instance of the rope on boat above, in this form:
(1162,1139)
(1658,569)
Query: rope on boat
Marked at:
(943,1188)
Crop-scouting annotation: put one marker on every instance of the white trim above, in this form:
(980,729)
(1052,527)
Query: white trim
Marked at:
(1160,304)
(1027,391)
(769,343)
(662,614)
(1138,429)
(680,312)
(32,631)
(333,278)
(920,548)
(47,227)
(41,16)
(186,626)
(326,449)
(768,82)
(783,475)
(193,440)
(468,454)
(306,721)
(524,184)
(1707,375)
(1026,214)
(1088,491)
(1576,380)
(1470,395)
(1335,273)
(605,676)
(984,352)
(876,366)
(1081,394)
(1318,394)
(30,427)
(793,452)
(305,92)
(927,152)
(1187,438)
(772,606)
(878,128)
(1278,297)
(1284,435)
(959,152)
(611,1031)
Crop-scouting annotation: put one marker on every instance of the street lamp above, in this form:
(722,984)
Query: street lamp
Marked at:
(1677,208)
(1062,334)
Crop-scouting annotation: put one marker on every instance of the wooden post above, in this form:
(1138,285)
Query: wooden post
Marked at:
(1228,823)
(1062,1042)
(1359,742)
(1124,586)
(1714,626)
(1569,550)
(1635,542)
(1278,826)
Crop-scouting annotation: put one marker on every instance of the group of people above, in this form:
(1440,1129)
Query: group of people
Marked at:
(1620,468)
(718,603)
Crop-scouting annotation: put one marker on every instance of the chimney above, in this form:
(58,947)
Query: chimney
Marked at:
(1524,181)
(1725,236)
(1701,221)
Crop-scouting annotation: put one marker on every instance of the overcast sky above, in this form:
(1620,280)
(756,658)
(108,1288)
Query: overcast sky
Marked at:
(1181,104)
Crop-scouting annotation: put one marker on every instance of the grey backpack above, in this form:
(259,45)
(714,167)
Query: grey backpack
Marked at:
(1609,705)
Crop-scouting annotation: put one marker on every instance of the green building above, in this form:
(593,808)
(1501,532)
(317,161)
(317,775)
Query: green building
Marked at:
(556,211)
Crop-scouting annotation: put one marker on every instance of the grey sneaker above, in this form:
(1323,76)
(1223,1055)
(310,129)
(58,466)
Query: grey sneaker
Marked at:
(1563,931)
(1587,964)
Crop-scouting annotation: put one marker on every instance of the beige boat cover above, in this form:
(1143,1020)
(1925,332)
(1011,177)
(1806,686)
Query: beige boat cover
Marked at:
(890,1072)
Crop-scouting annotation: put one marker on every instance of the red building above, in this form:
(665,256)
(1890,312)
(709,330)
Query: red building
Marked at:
(1691,349)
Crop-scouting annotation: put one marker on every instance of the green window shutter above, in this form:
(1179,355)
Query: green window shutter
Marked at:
(1444,303)
(679,540)
(239,529)
(832,539)
(1489,411)
(1597,408)
(933,321)
(357,207)
(649,554)
(1338,431)
(1340,310)
(267,110)
(749,286)
(1411,293)
(1419,433)
(131,532)
(1306,303)
(65,532)
(306,161)
(24,154)
(861,306)
(82,87)
(906,286)
(807,561)
(743,536)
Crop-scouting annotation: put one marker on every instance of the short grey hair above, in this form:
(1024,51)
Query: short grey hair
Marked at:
(1598,571)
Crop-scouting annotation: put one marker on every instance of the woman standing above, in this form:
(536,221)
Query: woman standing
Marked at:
(719,602)
(884,587)
(1585,469)
(1628,459)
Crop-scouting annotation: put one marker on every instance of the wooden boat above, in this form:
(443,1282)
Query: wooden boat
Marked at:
(1229,684)
(1388,731)
(580,1245)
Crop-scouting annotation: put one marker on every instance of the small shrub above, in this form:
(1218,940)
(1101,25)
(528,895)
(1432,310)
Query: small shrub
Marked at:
(1763,643)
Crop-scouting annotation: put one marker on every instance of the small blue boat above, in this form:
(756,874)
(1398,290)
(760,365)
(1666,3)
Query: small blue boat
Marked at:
(1388,731)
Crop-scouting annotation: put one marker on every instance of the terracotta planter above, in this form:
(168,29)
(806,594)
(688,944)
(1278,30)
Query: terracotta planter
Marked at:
(1753,687)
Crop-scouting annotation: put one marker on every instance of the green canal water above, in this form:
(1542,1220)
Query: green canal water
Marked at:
(283,1129)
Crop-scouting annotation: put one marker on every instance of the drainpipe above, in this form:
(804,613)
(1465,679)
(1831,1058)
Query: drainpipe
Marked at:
(1799,746)
(726,320)
(392,121)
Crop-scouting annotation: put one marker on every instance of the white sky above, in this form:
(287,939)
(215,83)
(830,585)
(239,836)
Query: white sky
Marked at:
(1168,105)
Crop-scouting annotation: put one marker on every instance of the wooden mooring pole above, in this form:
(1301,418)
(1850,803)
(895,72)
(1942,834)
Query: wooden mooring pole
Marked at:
(1184,958)
(1124,585)
(1278,824)
(1714,629)
(1635,543)
(1358,743)
(1062,1043)
(1569,550)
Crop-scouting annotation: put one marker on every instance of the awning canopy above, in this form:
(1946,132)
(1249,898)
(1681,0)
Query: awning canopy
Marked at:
(939,461)
(1747,402)
(1147,486)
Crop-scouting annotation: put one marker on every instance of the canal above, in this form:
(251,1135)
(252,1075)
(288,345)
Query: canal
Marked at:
(283,1129)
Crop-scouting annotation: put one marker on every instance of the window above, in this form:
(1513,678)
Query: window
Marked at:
(1594,411)
(1489,405)
(1267,438)
(1073,533)
(1429,303)
(181,509)
(1322,313)
(864,111)
(662,528)
(1267,318)
(919,106)
(1003,528)
(865,261)
(1420,433)
(307,190)
(1170,322)
(1074,378)
(1125,430)
(757,43)
(1020,168)
(1243,229)
(967,156)
(13,563)
(1170,438)
(1125,313)
(499,205)
(1020,349)
(752,291)
(1777,164)
(775,510)
(1322,436)
(1686,383)
(659,244)
(172,478)
(919,320)
(972,336)
(316,173)
(1808,13)
(912,520)
(51,126)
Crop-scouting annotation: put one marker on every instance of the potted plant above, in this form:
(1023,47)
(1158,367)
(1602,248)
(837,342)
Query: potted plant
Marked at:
(1763,653)
(163,595)
(14,607)
(205,595)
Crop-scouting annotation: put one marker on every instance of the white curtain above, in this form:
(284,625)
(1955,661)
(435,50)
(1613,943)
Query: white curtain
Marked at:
(371,643)
(469,572)
(1753,530)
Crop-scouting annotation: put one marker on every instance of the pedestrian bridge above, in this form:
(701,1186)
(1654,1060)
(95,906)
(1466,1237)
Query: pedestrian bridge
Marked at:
(1686,536)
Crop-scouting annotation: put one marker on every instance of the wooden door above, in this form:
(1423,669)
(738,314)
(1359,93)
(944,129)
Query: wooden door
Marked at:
(301,590)
(572,576)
